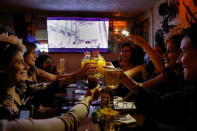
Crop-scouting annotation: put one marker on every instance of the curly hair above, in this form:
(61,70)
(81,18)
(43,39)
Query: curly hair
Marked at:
(7,52)
(132,59)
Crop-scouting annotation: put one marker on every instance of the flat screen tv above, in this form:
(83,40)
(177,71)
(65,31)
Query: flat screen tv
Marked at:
(77,34)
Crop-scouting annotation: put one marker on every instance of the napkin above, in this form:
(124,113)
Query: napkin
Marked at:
(127,119)
(124,105)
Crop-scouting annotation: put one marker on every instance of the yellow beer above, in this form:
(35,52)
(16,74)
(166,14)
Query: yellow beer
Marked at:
(84,61)
(101,63)
(112,77)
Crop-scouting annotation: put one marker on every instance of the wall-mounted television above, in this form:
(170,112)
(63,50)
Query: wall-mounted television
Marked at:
(77,34)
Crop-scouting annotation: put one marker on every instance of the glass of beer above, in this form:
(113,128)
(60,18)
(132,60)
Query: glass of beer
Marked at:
(101,63)
(112,77)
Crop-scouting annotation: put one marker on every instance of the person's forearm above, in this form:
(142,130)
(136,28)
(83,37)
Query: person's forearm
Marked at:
(134,87)
(45,76)
(88,99)
(130,84)
(67,79)
(154,83)
(61,76)
(33,125)
(76,115)
(155,58)
(136,70)
(77,75)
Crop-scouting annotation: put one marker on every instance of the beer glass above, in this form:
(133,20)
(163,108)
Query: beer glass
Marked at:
(112,77)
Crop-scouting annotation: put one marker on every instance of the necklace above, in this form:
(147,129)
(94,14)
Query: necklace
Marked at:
(11,91)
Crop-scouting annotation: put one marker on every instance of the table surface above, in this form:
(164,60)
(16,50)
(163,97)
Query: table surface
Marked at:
(88,125)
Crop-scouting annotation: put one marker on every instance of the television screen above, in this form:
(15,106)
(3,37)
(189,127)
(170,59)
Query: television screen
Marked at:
(77,34)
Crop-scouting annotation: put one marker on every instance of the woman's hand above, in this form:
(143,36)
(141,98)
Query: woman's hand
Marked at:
(59,70)
(109,64)
(11,106)
(138,40)
(93,94)
(71,78)
(83,73)
(92,82)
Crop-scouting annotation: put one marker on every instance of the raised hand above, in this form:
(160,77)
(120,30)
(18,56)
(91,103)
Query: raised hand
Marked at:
(92,82)
(138,40)
(84,71)
(94,93)
(59,70)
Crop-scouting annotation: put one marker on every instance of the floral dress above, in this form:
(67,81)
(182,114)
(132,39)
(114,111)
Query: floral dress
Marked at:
(10,109)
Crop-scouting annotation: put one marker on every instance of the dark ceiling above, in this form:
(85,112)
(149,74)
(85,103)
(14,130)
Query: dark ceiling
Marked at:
(119,8)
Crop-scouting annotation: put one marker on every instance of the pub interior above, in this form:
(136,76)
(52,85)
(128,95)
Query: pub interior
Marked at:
(97,65)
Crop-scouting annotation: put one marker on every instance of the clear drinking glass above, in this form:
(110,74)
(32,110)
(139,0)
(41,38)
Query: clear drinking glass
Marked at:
(112,77)
(70,95)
